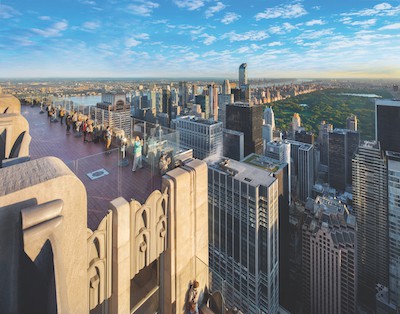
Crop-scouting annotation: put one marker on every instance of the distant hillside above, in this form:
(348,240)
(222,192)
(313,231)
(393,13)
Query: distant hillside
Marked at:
(331,106)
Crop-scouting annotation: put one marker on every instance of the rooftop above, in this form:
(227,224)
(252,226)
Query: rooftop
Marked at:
(242,171)
(304,146)
(109,179)
(199,120)
(387,102)
(263,162)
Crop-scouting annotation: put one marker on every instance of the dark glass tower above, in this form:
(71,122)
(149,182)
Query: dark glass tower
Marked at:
(246,118)
(387,117)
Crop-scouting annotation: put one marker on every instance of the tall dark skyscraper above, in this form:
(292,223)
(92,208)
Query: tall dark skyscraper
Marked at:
(246,118)
(343,144)
(183,94)
(387,117)
(370,208)
(167,103)
(323,141)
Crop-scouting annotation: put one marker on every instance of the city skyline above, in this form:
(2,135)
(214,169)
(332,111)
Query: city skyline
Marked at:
(199,38)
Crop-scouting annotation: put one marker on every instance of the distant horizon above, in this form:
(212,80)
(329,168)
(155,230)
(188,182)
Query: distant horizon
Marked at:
(198,78)
(200,38)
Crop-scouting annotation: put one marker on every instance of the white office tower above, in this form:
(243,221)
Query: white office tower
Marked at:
(201,135)
(267,135)
(296,124)
(286,158)
(269,117)
(226,87)
(244,235)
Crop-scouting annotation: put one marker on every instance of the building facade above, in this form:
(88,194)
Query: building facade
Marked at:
(370,208)
(302,172)
(329,258)
(244,234)
(203,136)
(393,164)
(343,144)
(233,144)
(387,117)
(246,118)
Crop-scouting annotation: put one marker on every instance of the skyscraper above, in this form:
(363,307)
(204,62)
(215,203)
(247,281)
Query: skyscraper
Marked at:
(213,98)
(243,84)
(387,117)
(393,163)
(183,94)
(223,100)
(246,118)
(302,155)
(167,104)
(244,234)
(226,87)
(269,117)
(323,141)
(243,74)
(201,135)
(329,257)
(296,124)
(343,144)
(370,208)
(279,170)
(352,123)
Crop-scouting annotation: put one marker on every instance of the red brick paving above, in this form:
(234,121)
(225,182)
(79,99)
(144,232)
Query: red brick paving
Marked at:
(50,139)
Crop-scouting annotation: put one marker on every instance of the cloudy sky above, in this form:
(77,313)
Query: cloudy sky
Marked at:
(199,38)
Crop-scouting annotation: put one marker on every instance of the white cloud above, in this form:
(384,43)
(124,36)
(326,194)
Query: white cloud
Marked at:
(52,31)
(382,9)
(45,18)
(189,4)
(365,23)
(315,22)
(91,26)
(142,7)
(250,35)
(89,2)
(7,12)
(143,36)
(208,39)
(230,17)
(283,29)
(275,43)
(219,6)
(286,11)
(132,42)
(311,34)
(391,26)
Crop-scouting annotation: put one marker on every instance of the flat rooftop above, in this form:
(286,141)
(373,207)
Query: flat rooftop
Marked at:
(263,162)
(242,171)
(387,102)
(84,159)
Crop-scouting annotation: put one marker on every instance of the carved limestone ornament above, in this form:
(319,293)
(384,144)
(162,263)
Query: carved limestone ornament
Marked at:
(100,262)
(148,230)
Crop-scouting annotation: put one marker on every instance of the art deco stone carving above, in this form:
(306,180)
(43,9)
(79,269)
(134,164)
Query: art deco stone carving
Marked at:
(100,262)
(14,130)
(148,230)
(43,236)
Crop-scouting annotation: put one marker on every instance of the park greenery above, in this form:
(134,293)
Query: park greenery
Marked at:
(333,107)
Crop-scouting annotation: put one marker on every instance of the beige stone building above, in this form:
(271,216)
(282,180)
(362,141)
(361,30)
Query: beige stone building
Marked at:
(142,258)
(329,258)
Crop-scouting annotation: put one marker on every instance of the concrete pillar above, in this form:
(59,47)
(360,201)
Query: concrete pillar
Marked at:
(121,279)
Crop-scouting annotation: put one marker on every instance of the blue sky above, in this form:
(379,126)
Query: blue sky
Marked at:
(199,38)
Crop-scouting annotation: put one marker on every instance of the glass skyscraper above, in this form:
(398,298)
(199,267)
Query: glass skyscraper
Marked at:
(244,234)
